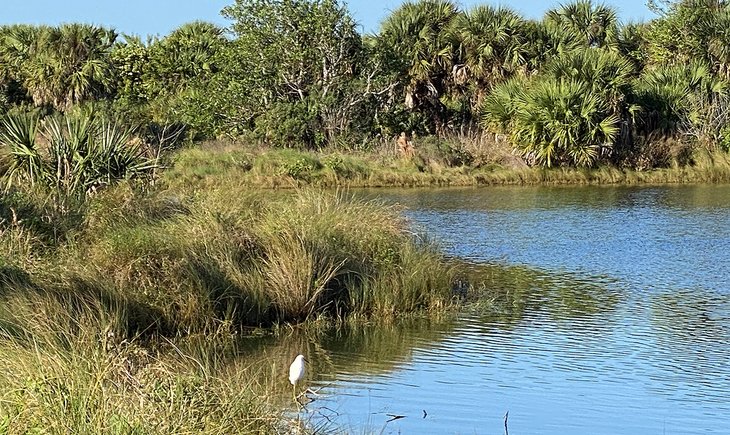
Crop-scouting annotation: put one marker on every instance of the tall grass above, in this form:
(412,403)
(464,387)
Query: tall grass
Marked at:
(465,160)
(225,256)
(70,374)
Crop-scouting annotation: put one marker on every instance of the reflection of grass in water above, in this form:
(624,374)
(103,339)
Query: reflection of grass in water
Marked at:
(508,293)
(690,318)
(365,348)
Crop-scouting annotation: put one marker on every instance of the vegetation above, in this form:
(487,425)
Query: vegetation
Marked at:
(125,228)
(93,298)
(577,88)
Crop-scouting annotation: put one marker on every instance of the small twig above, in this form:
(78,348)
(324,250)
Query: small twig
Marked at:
(506,431)
(316,393)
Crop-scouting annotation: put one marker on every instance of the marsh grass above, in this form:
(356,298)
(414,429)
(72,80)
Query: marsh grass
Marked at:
(463,160)
(181,262)
(72,374)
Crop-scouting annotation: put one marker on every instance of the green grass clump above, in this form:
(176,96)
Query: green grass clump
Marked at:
(70,374)
(180,262)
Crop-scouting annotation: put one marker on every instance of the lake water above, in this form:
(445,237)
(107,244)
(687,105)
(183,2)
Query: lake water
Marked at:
(615,319)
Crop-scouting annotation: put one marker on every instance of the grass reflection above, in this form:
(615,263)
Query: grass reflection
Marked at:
(506,294)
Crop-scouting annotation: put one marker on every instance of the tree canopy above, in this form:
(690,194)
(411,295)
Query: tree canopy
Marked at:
(573,88)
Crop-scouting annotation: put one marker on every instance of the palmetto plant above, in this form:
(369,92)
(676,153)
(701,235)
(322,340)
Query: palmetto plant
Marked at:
(499,107)
(562,122)
(59,66)
(583,23)
(671,93)
(491,44)
(82,153)
(419,35)
(605,73)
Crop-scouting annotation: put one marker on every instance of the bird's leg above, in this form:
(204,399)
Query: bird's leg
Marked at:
(294,394)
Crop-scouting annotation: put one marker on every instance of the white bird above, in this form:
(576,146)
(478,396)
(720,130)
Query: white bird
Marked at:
(296,372)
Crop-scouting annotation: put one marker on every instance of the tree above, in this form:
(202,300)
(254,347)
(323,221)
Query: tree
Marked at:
(419,35)
(64,66)
(491,46)
(297,56)
(188,54)
(689,31)
(583,23)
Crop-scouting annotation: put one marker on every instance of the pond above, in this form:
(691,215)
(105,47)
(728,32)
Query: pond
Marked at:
(615,319)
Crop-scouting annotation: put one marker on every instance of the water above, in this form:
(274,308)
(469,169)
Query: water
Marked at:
(617,319)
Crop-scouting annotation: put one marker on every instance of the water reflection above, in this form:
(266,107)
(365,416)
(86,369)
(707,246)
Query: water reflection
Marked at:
(604,310)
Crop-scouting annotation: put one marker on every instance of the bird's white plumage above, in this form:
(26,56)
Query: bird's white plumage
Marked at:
(296,370)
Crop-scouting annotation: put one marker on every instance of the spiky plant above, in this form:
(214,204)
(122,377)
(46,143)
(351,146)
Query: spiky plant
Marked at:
(83,153)
(499,107)
(491,44)
(582,23)
(563,122)
(18,135)
(671,93)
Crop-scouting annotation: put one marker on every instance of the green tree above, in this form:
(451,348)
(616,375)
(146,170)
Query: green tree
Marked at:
(690,31)
(298,53)
(419,35)
(67,65)
(491,46)
(581,23)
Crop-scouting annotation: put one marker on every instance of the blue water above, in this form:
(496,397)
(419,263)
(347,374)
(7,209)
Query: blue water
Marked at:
(628,332)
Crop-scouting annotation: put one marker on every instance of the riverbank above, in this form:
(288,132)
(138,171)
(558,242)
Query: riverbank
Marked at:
(94,301)
(97,299)
(444,165)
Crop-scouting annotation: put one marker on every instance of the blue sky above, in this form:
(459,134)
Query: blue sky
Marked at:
(150,17)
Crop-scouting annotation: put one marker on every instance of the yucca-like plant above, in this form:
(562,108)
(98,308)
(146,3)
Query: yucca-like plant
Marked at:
(83,153)
(672,93)
(562,121)
(18,134)
(88,153)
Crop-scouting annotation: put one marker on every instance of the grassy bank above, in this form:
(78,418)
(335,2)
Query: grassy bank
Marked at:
(68,375)
(92,300)
(177,262)
(94,293)
(437,164)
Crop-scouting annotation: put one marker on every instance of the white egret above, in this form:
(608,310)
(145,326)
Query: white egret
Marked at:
(296,373)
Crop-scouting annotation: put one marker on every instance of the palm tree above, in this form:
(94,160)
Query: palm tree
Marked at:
(18,45)
(66,65)
(419,36)
(491,46)
(583,23)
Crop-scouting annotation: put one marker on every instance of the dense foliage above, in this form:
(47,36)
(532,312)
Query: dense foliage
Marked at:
(576,88)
